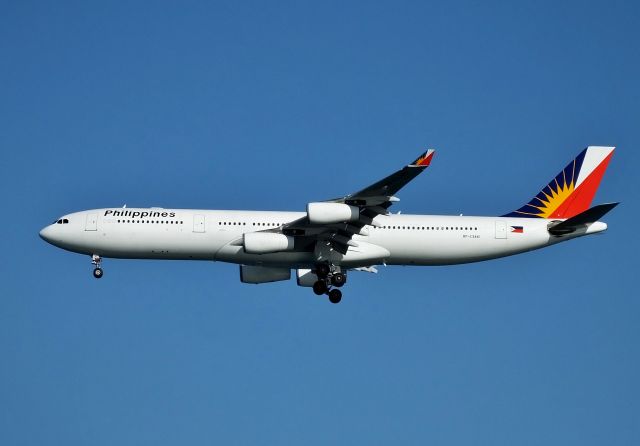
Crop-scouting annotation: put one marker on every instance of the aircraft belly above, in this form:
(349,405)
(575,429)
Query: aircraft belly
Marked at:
(453,249)
(156,245)
(236,254)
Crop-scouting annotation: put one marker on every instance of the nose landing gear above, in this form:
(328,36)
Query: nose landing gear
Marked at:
(96,260)
(328,276)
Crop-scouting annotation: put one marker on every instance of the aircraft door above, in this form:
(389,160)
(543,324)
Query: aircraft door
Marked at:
(501,229)
(198,223)
(91,223)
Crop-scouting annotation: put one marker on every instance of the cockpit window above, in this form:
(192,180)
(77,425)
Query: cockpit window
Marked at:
(65,221)
(59,222)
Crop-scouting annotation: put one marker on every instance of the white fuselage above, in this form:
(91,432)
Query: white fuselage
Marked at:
(187,234)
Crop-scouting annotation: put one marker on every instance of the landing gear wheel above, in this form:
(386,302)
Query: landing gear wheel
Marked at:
(335,296)
(96,261)
(320,287)
(322,270)
(338,279)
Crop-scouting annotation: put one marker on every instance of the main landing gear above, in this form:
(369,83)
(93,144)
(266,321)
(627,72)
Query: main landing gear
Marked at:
(96,260)
(327,277)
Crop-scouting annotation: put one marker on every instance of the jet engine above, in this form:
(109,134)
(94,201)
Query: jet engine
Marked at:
(266,242)
(327,213)
(263,274)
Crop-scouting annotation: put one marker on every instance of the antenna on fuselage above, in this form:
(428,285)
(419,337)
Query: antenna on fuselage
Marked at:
(124,207)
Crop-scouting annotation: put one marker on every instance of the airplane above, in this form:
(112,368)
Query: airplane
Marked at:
(353,233)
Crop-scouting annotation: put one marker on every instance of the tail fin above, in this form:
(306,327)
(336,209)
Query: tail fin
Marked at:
(572,190)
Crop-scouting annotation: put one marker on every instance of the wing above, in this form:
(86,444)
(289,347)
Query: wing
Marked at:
(370,202)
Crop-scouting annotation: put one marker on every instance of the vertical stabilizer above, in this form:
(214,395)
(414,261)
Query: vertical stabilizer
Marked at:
(572,190)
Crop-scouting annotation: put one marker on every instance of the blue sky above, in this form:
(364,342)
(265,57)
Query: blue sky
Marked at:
(236,105)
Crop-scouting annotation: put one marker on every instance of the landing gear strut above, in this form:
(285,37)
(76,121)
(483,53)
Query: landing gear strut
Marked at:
(329,276)
(96,260)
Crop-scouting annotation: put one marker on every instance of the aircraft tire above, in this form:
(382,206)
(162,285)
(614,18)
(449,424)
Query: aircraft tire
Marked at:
(98,273)
(322,270)
(320,287)
(338,279)
(335,296)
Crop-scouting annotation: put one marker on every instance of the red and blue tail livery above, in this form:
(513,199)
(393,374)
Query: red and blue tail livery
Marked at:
(572,190)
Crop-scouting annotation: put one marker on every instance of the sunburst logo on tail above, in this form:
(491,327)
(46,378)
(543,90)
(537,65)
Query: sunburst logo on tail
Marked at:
(572,190)
(550,198)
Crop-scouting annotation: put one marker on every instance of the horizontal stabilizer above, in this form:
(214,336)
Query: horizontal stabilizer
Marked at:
(589,216)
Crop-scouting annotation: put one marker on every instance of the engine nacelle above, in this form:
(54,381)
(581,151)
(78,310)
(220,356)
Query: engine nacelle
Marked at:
(327,213)
(266,242)
(305,277)
(263,274)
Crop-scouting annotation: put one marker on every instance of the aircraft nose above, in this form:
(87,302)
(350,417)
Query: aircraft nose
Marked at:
(46,233)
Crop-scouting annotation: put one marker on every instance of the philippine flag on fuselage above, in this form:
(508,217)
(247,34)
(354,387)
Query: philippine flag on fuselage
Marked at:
(517,229)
